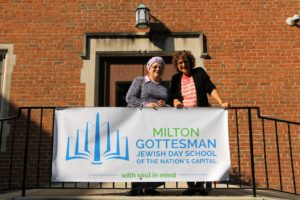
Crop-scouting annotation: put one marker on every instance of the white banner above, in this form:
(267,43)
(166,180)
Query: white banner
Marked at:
(110,144)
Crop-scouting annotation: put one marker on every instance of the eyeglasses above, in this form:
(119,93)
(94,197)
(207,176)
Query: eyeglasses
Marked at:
(157,67)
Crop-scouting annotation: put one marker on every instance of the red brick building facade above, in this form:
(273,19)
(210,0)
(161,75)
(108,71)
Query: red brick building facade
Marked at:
(54,51)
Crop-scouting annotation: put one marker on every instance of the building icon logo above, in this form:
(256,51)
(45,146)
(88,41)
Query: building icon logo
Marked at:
(106,146)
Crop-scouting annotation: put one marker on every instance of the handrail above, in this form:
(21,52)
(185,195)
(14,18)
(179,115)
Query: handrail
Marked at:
(231,108)
(27,107)
(264,117)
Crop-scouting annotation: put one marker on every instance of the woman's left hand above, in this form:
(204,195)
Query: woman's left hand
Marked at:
(161,103)
(225,105)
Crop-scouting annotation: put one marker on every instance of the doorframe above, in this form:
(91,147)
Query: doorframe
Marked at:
(98,45)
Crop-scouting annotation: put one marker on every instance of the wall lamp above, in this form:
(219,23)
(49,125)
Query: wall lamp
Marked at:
(293,20)
(158,32)
(142,17)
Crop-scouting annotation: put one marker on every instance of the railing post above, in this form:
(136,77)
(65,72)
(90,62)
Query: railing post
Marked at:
(265,152)
(52,141)
(251,152)
(291,159)
(26,151)
(278,155)
(1,128)
(238,146)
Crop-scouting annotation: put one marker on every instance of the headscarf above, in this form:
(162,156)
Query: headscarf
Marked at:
(153,60)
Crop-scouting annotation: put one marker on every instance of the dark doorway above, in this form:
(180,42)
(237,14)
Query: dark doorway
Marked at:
(121,91)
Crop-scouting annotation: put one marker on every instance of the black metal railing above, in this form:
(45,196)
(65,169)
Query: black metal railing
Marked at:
(259,145)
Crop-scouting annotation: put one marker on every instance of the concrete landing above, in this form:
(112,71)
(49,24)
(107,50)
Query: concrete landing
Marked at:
(166,194)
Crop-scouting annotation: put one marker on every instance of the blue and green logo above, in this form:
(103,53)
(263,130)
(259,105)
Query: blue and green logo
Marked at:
(109,148)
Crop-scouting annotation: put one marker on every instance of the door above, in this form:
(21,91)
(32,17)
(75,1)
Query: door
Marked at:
(117,73)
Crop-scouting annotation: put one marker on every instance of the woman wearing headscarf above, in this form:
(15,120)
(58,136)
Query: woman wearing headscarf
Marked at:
(148,91)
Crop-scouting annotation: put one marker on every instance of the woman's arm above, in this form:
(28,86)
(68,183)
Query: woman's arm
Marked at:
(218,98)
(133,96)
(175,95)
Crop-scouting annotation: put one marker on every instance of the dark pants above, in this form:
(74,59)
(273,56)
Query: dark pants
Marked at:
(198,184)
(146,185)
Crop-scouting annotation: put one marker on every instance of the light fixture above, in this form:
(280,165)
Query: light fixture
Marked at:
(293,20)
(142,17)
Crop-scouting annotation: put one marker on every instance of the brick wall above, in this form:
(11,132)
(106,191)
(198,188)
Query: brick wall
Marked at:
(255,55)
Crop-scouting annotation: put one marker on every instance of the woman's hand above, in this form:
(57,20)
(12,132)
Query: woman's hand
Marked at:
(161,103)
(152,105)
(225,105)
(177,103)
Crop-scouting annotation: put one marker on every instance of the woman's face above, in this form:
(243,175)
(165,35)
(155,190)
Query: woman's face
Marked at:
(184,66)
(156,70)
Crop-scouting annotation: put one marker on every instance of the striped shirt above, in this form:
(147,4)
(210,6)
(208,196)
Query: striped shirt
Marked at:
(188,91)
